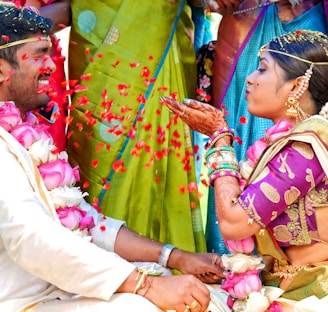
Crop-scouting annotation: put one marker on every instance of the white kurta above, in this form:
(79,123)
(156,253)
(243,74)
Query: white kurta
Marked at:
(40,260)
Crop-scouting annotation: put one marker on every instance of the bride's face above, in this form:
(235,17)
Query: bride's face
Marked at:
(267,90)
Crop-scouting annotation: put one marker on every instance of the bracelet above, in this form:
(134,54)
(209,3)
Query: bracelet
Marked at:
(223,173)
(221,166)
(217,135)
(219,159)
(144,275)
(220,149)
(165,254)
(149,285)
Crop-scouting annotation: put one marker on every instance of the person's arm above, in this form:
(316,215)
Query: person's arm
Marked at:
(223,7)
(58,11)
(147,250)
(288,176)
(238,217)
(36,245)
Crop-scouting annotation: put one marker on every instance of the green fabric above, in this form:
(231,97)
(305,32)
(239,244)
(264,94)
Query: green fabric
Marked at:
(152,193)
(311,280)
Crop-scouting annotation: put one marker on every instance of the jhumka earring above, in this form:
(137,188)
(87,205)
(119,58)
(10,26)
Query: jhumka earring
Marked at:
(293,106)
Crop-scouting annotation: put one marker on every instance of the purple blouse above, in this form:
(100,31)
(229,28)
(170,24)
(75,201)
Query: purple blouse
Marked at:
(284,196)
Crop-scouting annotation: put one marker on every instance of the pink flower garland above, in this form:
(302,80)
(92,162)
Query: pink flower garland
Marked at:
(241,284)
(57,174)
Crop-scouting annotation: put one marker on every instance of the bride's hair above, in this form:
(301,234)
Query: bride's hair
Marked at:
(296,52)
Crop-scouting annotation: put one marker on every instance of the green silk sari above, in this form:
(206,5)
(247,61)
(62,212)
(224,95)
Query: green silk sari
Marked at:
(135,157)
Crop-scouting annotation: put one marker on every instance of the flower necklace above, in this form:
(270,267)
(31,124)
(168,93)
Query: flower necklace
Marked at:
(243,284)
(57,174)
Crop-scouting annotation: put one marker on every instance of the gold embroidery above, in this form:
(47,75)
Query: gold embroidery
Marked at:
(300,229)
(274,215)
(284,166)
(270,192)
(262,175)
(309,177)
(316,198)
(285,271)
(282,234)
(304,149)
(296,231)
(250,210)
(291,195)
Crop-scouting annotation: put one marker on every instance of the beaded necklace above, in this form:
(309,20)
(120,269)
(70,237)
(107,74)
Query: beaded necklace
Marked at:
(260,5)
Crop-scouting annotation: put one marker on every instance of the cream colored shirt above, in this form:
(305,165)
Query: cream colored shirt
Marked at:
(39,258)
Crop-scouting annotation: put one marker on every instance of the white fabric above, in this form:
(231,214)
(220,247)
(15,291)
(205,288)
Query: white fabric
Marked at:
(118,302)
(31,262)
(37,272)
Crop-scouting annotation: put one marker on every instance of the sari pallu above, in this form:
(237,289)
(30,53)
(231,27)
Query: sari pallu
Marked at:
(312,279)
(138,163)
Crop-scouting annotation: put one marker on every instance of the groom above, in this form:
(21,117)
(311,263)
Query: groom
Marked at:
(43,265)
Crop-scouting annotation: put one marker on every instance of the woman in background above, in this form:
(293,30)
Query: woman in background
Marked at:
(127,54)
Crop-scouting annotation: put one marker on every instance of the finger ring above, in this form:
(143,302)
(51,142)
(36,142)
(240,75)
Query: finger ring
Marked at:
(184,110)
(187,308)
(193,305)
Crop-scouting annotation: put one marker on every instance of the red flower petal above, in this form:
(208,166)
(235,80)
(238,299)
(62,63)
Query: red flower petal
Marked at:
(243,120)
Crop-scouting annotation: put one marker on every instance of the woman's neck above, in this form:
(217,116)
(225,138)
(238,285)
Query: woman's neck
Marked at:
(288,12)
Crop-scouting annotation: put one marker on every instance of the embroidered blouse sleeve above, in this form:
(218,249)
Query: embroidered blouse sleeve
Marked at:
(287,177)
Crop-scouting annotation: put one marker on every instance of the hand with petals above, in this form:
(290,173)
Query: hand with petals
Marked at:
(198,116)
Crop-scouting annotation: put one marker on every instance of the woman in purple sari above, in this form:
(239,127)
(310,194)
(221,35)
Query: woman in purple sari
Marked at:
(280,195)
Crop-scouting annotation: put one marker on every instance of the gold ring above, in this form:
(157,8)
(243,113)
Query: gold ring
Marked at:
(184,109)
(187,308)
(193,305)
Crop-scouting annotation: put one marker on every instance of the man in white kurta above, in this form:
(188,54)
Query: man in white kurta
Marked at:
(27,272)
(45,266)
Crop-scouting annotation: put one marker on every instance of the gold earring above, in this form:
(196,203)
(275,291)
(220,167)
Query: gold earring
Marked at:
(292,105)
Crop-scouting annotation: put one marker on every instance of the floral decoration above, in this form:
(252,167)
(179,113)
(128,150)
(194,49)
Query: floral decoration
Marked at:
(243,282)
(58,175)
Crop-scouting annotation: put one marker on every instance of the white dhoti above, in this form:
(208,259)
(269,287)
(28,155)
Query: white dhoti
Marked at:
(123,302)
(118,302)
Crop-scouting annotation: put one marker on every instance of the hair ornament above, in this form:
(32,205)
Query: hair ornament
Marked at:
(297,36)
(13,43)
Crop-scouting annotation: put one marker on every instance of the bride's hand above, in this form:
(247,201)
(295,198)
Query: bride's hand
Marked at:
(198,116)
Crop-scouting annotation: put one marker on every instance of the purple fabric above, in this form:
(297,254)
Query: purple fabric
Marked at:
(285,197)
